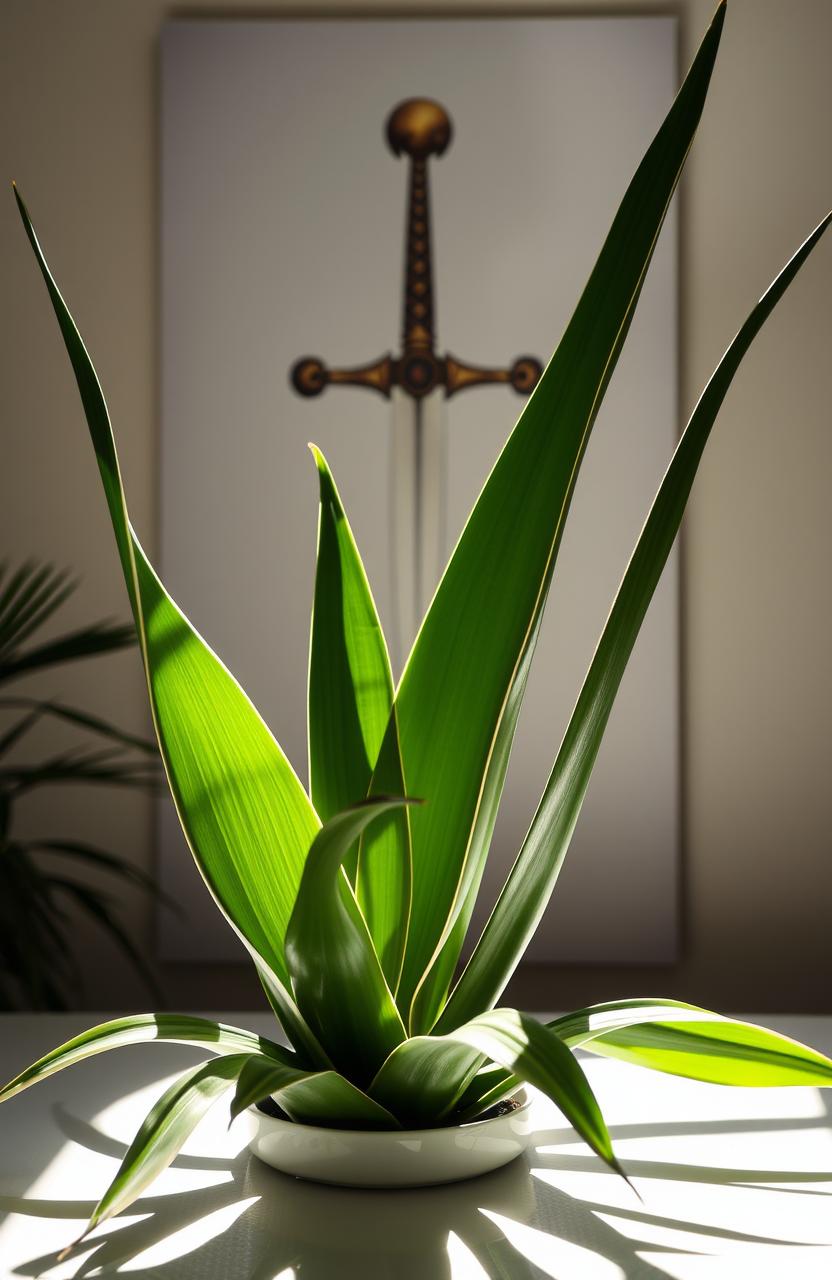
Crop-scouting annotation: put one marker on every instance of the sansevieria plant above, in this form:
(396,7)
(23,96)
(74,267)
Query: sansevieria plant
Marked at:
(353,900)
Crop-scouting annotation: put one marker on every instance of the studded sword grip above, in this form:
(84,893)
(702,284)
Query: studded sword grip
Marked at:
(418,128)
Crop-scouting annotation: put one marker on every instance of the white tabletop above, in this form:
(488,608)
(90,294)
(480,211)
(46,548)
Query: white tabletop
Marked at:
(735,1183)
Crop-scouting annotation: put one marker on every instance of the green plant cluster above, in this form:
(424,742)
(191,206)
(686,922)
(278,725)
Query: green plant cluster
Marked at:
(352,901)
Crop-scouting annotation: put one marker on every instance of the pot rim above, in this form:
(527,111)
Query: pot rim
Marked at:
(521,1094)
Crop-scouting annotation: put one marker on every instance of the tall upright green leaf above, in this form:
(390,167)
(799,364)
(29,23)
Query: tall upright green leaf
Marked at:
(533,876)
(485,820)
(350,682)
(246,816)
(350,699)
(336,974)
(451,706)
(384,872)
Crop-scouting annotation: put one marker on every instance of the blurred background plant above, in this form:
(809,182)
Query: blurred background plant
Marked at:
(40,892)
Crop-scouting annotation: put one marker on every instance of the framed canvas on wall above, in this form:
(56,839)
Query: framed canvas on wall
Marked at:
(283,233)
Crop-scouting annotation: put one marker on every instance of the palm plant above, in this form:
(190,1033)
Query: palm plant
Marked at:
(353,901)
(38,968)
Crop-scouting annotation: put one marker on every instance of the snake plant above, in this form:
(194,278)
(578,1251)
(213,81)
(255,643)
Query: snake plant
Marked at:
(353,899)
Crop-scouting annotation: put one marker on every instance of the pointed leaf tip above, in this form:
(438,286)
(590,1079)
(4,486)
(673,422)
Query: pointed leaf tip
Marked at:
(618,1168)
(73,1244)
(370,802)
(325,477)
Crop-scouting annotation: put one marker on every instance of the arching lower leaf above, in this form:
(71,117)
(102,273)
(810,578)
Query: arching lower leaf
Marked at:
(436,1067)
(678,1038)
(305,1096)
(684,1040)
(164,1131)
(137,1029)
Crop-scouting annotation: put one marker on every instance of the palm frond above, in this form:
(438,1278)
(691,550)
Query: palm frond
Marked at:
(86,642)
(81,719)
(32,594)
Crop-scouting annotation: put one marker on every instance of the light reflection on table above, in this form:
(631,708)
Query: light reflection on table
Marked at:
(734,1183)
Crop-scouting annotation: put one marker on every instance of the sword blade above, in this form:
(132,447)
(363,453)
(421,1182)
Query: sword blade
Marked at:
(433,499)
(417,498)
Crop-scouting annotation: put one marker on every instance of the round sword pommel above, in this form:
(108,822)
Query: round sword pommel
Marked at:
(524,374)
(418,127)
(309,376)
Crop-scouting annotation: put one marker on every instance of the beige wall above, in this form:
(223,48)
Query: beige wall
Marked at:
(78,125)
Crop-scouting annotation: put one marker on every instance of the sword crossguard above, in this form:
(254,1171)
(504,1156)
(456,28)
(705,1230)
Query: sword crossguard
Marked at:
(417,128)
(522,375)
(310,376)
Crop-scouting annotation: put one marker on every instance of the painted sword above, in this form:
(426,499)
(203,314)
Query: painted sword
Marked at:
(418,382)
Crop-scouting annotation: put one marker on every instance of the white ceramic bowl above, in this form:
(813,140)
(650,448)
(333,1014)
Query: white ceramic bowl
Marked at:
(392,1158)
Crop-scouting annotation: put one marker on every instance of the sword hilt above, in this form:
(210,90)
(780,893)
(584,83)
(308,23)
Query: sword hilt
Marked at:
(417,128)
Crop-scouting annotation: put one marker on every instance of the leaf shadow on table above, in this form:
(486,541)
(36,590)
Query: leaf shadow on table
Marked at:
(256,1223)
